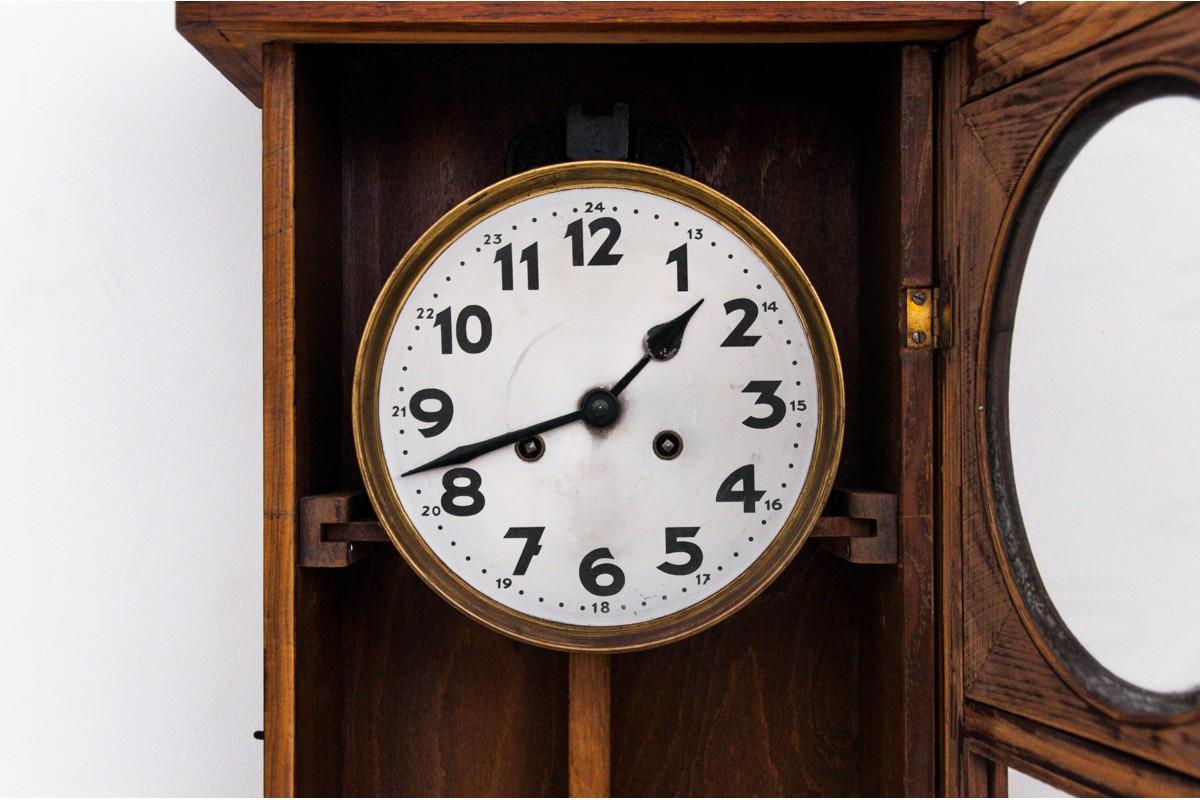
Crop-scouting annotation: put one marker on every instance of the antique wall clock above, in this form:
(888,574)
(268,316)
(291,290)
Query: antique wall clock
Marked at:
(598,406)
(576,483)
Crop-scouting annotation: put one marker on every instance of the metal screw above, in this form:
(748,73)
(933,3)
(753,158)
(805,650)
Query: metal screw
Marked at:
(918,298)
(919,337)
(667,445)
(531,449)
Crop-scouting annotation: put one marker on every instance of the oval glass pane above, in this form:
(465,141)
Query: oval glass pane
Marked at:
(1104,401)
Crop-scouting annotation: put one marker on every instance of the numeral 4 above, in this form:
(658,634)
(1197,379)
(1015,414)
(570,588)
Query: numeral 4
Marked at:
(747,495)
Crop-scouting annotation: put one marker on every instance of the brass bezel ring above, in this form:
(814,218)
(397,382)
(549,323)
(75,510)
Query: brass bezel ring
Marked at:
(582,638)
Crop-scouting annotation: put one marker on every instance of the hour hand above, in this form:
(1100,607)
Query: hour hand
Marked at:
(662,343)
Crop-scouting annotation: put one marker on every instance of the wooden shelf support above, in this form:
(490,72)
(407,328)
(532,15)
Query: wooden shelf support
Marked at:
(859,526)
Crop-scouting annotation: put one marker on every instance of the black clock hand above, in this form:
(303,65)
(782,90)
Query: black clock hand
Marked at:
(662,343)
(461,455)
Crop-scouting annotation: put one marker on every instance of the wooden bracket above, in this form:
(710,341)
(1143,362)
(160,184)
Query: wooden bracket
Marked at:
(859,526)
(327,536)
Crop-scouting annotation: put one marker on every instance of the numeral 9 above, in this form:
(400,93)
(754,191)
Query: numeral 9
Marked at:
(440,417)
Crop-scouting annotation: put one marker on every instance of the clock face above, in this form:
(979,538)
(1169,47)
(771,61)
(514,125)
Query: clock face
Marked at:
(554,457)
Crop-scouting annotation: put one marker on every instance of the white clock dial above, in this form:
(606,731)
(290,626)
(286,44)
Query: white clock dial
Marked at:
(523,314)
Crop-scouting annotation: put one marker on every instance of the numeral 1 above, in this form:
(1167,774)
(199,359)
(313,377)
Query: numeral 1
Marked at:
(678,257)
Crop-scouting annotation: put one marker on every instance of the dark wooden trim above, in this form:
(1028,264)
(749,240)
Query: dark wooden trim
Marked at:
(279,430)
(1068,760)
(231,35)
(984,777)
(978,749)
(916,626)
(952,80)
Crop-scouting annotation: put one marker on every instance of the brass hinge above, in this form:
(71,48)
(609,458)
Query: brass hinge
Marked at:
(928,319)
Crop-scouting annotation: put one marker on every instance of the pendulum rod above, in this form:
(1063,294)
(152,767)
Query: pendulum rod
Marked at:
(589,746)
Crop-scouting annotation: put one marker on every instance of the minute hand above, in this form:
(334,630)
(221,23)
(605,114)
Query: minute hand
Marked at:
(463,454)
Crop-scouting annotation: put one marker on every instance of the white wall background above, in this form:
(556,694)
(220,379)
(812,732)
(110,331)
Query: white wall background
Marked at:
(130,392)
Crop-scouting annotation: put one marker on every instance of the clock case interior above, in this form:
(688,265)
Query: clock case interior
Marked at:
(825,684)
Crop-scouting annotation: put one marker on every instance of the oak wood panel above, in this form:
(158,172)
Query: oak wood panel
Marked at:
(913,645)
(1036,36)
(279,464)
(230,35)
(316,204)
(899,659)
(948,530)
(1085,764)
(763,704)
(985,776)
(998,759)
(590,728)
(437,705)
(1016,677)
(991,143)
(1009,139)
(302,703)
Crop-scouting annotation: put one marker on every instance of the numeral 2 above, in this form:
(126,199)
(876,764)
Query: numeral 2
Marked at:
(738,337)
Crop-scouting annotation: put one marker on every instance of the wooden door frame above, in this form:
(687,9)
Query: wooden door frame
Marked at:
(1008,91)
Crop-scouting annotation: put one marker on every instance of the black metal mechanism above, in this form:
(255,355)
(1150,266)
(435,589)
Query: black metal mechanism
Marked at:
(605,136)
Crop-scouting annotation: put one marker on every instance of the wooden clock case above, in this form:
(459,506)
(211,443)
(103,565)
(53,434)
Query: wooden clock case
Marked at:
(870,138)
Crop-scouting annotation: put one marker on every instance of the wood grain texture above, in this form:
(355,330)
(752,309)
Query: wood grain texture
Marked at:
(766,703)
(948,529)
(401,695)
(1085,764)
(1008,140)
(989,145)
(279,465)
(1036,36)
(1015,677)
(899,640)
(230,35)
(437,705)
(590,728)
